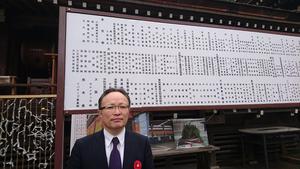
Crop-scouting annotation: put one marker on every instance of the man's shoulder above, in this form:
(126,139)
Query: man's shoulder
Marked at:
(136,135)
(89,138)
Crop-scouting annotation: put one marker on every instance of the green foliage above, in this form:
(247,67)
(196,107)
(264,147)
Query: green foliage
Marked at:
(190,131)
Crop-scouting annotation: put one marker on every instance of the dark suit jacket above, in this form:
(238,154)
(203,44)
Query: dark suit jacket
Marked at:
(89,152)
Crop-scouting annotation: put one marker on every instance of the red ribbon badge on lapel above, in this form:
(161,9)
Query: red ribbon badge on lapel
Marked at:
(137,164)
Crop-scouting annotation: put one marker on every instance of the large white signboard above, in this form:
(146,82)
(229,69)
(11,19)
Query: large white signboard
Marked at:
(164,64)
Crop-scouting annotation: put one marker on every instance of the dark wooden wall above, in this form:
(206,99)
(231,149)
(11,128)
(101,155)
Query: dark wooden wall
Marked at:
(26,34)
(3,48)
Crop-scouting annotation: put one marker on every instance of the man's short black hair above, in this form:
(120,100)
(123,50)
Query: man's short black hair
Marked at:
(106,92)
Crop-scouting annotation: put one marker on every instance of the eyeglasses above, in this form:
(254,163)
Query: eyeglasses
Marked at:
(114,107)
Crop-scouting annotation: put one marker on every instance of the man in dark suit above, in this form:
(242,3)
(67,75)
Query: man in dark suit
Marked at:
(113,147)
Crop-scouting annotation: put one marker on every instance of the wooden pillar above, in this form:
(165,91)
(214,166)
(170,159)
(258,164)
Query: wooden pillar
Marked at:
(53,71)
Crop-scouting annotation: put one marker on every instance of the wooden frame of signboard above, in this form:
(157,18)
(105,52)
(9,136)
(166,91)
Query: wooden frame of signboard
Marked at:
(80,78)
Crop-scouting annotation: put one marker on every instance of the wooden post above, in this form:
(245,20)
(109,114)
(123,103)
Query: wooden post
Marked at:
(53,70)
(13,83)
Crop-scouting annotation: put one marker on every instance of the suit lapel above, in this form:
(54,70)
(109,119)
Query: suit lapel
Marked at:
(128,150)
(100,147)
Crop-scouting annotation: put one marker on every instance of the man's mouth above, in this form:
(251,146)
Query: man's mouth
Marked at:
(117,120)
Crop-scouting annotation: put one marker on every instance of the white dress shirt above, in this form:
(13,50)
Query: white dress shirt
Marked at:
(109,145)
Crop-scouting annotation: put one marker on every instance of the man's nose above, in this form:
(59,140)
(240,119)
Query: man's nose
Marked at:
(117,110)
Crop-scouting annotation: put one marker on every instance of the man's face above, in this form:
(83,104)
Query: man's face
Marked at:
(115,114)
